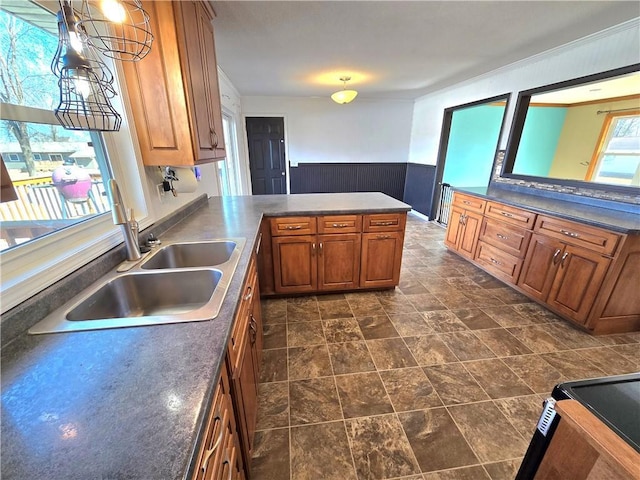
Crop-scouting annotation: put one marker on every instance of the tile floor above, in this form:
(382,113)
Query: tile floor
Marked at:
(441,378)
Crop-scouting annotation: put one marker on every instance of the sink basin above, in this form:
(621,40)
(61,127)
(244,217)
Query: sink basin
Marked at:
(140,295)
(191,255)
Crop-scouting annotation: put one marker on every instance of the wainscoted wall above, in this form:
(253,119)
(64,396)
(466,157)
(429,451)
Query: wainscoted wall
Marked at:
(387,178)
(419,187)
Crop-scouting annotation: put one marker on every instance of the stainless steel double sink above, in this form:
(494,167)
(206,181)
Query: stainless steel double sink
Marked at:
(179,282)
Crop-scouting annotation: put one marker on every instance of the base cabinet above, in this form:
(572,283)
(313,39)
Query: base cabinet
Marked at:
(464,225)
(381,253)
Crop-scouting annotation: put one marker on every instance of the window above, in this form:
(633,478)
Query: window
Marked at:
(617,159)
(228,170)
(62,184)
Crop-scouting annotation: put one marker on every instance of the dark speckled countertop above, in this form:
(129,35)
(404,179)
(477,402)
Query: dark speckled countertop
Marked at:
(619,221)
(129,403)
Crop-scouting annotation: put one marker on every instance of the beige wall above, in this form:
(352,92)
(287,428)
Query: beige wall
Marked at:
(580,133)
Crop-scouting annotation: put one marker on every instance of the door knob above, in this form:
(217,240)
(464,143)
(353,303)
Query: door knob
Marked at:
(282,173)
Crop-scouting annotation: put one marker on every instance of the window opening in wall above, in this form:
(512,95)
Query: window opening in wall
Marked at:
(617,158)
(228,170)
(59,175)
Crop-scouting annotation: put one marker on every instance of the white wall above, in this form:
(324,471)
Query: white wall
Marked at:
(613,48)
(318,130)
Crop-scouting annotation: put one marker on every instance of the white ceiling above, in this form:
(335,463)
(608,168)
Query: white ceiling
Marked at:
(392,49)
(613,88)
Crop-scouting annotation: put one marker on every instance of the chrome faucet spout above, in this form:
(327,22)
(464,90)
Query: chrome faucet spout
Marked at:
(118,211)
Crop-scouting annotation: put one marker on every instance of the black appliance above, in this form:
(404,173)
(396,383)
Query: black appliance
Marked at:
(614,400)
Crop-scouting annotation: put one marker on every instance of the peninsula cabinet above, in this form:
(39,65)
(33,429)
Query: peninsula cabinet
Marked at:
(335,252)
(173,91)
(584,273)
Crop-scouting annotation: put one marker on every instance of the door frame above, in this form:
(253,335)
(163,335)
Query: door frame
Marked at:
(247,165)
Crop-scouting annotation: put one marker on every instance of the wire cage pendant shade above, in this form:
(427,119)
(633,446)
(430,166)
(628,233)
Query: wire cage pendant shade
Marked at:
(344,96)
(120,29)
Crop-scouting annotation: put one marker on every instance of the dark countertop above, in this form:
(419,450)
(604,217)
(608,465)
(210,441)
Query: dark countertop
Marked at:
(131,402)
(619,221)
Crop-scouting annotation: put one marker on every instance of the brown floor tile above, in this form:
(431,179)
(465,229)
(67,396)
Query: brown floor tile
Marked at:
(617,339)
(475,319)
(309,362)
(396,304)
(430,350)
(454,384)
(466,346)
(453,301)
(489,433)
(441,288)
(506,316)
(609,361)
(411,324)
(334,309)
(412,287)
(274,311)
(629,351)
(572,337)
(274,336)
(537,313)
(378,326)
(538,374)
(537,339)
(502,343)
(425,302)
(483,299)
(273,405)
(390,353)
(340,330)
(365,307)
(444,322)
(497,379)
(313,401)
(350,357)
(435,439)
(506,470)
(508,295)
(321,451)
(465,473)
(302,309)
(379,447)
(303,334)
(270,455)
(362,394)
(522,412)
(572,366)
(274,365)
(329,297)
(409,389)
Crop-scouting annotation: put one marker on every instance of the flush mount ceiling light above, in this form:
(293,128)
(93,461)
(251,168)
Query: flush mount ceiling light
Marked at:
(344,96)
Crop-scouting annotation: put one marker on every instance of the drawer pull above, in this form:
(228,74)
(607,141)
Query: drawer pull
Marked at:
(569,234)
(503,237)
(493,260)
(554,260)
(383,237)
(340,225)
(506,214)
(564,257)
(293,227)
(249,294)
(211,451)
(466,202)
(382,224)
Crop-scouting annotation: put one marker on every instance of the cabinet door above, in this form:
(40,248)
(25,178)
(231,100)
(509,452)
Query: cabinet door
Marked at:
(468,240)
(454,228)
(381,259)
(577,282)
(540,266)
(246,399)
(200,75)
(255,326)
(338,261)
(294,264)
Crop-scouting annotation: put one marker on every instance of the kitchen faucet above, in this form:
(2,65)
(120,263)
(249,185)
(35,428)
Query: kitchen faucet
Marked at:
(119,214)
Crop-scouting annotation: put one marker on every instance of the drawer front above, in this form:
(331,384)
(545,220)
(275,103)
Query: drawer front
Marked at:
(593,238)
(510,239)
(512,215)
(293,226)
(241,323)
(469,202)
(498,263)
(384,222)
(340,224)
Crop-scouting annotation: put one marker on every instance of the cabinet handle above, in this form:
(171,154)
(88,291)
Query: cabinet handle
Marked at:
(564,257)
(463,219)
(382,224)
(217,418)
(554,260)
(249,294)
(313,248)
(253,329)
(493,260)
(293,227)
(321,248)
(503,237)
(259,243)
(383,237)
(227,461)
(466,202)
(340,225)
(506,214)
(569,234)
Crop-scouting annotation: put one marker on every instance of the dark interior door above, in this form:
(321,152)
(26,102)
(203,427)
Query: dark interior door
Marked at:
(265,136)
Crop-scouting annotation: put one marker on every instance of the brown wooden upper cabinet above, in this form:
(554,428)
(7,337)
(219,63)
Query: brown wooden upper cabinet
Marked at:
(174,94)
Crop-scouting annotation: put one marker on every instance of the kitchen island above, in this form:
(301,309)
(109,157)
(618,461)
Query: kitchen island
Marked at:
(132,402)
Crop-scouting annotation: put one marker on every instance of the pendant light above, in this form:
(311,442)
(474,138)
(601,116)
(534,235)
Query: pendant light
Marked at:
(344,96)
